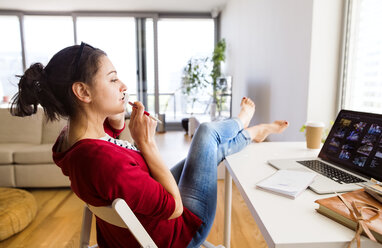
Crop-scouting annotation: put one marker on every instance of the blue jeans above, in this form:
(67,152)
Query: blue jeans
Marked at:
(197,174)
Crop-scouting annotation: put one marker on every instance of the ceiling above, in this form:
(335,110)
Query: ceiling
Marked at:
(115,5)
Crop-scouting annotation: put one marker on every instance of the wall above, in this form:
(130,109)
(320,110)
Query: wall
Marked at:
(269,48)
(325,60)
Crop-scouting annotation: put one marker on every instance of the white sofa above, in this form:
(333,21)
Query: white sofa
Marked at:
(26,151)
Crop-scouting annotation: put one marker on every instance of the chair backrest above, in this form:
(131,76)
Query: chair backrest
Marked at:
(120,214)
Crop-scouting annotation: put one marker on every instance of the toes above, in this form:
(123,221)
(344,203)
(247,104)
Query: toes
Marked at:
(250,102)
(247,101)
(284,123)
(243,100)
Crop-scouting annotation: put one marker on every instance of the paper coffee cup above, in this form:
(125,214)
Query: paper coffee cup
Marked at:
(314,131)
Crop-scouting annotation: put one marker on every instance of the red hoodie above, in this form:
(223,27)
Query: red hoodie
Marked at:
(100,171)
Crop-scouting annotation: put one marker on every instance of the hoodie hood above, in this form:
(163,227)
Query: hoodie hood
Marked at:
(58,156)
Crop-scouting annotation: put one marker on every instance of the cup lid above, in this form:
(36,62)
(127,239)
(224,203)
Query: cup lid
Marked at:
(314,124)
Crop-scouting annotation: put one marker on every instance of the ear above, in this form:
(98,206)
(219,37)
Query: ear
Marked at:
(82,92)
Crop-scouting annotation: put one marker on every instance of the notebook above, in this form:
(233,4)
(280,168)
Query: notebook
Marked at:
(351,154)
(289,183)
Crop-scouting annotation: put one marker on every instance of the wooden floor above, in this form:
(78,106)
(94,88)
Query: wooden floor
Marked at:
(58,221)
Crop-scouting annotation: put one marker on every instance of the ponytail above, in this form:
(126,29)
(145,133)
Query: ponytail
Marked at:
(25,102)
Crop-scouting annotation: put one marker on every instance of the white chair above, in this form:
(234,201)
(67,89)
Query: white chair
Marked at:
(119,214)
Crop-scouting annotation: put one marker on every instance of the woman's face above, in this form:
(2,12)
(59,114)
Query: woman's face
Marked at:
(107,91)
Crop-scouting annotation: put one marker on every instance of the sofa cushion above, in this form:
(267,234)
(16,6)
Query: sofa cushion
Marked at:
(14,129)
(36,154)
(7,151)
(7,176)
(51,130)
(40,175)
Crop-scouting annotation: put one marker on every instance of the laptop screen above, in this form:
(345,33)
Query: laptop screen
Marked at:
(354,143)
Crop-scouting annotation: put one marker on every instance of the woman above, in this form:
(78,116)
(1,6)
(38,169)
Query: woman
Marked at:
(176,207)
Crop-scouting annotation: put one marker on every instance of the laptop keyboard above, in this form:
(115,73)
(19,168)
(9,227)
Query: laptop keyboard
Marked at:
(331,172)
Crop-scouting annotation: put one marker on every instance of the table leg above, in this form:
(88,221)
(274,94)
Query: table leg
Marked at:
(227,208)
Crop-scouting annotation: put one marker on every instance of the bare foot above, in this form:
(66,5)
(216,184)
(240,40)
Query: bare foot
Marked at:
(247,110)
(260,132)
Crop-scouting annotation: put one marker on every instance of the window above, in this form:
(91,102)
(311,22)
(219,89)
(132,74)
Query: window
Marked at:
(10,56)
(45,36)
(129,42)
(363,64)
(178,41)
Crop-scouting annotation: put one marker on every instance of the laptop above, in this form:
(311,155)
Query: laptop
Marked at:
(351,154)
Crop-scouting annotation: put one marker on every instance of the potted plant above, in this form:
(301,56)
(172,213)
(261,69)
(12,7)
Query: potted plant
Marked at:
(218,56)
(201,73)
(195,78)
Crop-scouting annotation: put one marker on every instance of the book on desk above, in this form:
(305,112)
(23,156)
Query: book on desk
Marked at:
(349,208)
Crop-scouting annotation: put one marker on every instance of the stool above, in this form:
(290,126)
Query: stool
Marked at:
(195,121)
(17,209)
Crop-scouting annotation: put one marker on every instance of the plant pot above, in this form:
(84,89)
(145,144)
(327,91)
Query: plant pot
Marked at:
(161,128)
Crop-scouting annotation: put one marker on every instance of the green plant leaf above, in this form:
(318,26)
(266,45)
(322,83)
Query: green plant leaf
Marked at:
(302,129)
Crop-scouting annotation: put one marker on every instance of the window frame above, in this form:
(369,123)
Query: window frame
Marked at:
(155,16)
(349,19)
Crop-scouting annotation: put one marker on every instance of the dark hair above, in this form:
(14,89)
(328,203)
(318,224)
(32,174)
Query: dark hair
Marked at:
(51,87)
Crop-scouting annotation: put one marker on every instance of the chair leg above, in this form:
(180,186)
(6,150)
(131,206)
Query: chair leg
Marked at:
(86,227)
(207,244)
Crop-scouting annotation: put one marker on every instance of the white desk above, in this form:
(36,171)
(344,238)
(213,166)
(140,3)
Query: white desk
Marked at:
(282,221)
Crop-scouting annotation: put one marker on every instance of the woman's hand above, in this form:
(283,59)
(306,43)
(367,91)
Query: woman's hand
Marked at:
(142,128)
(117,121)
